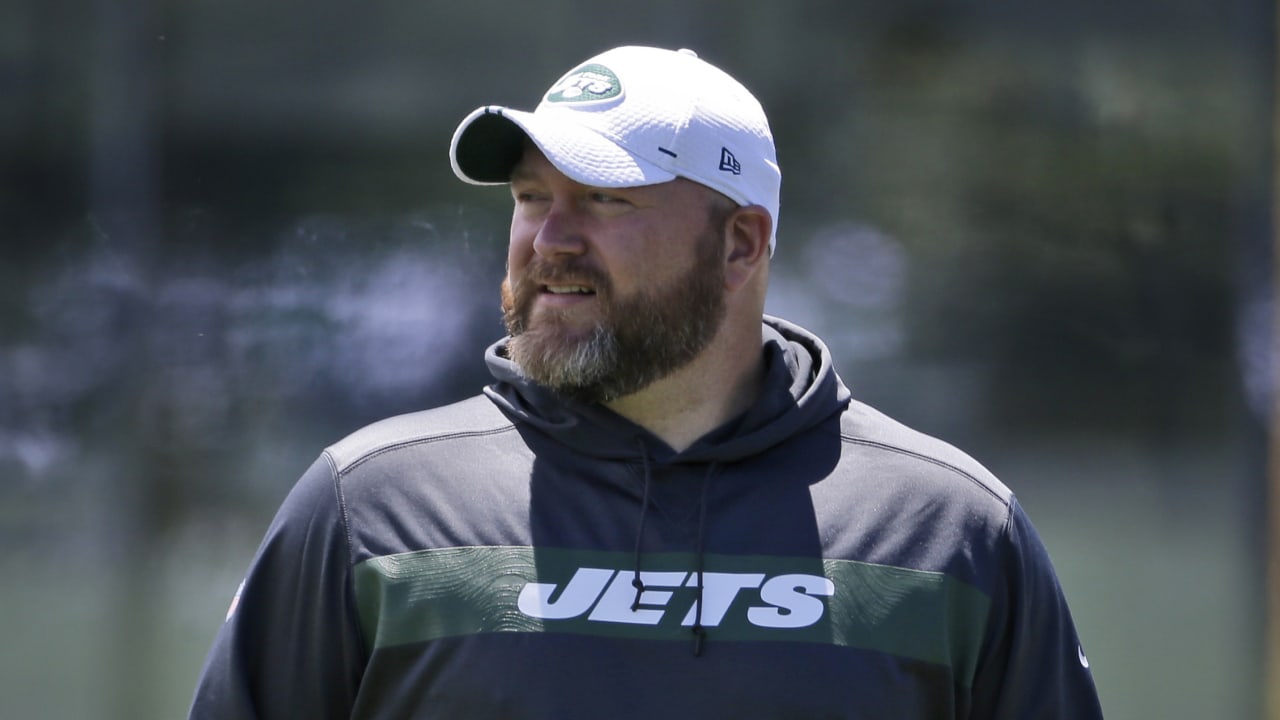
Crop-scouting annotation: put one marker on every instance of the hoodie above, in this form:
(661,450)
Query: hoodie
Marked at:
(518,555)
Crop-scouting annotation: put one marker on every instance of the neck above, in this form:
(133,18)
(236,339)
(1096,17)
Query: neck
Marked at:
(718,385)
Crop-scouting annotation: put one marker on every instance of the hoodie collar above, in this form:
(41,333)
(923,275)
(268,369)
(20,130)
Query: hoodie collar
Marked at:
(801,388)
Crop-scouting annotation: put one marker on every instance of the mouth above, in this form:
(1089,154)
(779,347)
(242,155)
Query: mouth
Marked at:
(564,296)
(567,290)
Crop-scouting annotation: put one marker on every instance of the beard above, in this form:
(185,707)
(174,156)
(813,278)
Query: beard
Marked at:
(635,339)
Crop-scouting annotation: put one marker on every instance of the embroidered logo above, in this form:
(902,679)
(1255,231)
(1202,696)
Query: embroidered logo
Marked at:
(788,601)
(729,163)
(589,83)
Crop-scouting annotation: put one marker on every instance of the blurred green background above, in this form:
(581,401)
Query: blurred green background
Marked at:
(1039,230)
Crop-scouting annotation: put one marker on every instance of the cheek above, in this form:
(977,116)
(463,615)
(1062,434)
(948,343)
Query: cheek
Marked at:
(515,261)
(519,247)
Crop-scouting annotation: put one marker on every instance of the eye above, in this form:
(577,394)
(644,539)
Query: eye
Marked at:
(528,196)
(605,198)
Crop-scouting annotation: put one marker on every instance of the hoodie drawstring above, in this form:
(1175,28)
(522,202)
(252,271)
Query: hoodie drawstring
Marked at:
(699,632)
(636,582)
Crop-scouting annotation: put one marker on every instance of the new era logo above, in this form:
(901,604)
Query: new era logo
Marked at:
(729,163)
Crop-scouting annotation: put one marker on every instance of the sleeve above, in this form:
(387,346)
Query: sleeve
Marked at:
(1033,664)
(291,645)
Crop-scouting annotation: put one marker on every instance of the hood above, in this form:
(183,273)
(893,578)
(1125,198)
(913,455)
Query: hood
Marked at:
(801,389)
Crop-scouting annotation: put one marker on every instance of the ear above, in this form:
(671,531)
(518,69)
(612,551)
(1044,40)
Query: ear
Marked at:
(747,231)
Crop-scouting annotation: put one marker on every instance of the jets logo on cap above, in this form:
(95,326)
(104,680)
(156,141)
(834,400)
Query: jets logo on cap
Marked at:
(589,83)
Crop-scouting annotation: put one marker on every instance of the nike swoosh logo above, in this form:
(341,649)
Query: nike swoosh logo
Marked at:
(1084,661)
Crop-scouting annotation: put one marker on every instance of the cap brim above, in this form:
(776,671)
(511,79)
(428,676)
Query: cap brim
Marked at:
(490,141)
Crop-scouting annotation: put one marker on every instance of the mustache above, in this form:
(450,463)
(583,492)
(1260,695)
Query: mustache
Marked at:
(519,293)
(573,270)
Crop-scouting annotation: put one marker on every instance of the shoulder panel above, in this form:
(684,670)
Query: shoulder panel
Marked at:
(864,425)
(473,416)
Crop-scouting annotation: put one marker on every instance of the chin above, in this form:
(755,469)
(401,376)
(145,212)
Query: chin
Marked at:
(569,323)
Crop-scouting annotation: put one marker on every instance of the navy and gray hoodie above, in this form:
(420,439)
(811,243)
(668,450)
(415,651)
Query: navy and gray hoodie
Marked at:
(518,555)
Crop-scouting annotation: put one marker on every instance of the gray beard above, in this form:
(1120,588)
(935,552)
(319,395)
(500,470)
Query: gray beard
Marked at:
(586,368)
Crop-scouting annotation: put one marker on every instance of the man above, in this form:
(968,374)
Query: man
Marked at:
(667,505)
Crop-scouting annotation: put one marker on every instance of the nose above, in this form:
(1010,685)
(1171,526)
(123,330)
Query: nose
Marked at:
(562,232)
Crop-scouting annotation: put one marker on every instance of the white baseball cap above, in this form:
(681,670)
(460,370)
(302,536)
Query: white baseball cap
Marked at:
(634,116)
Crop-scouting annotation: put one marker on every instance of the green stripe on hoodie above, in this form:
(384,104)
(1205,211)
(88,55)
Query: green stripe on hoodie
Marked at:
(430,594)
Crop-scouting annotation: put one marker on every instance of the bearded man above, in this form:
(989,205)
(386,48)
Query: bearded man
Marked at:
(667,504)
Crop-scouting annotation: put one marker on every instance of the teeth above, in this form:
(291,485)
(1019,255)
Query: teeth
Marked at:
(568,290)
